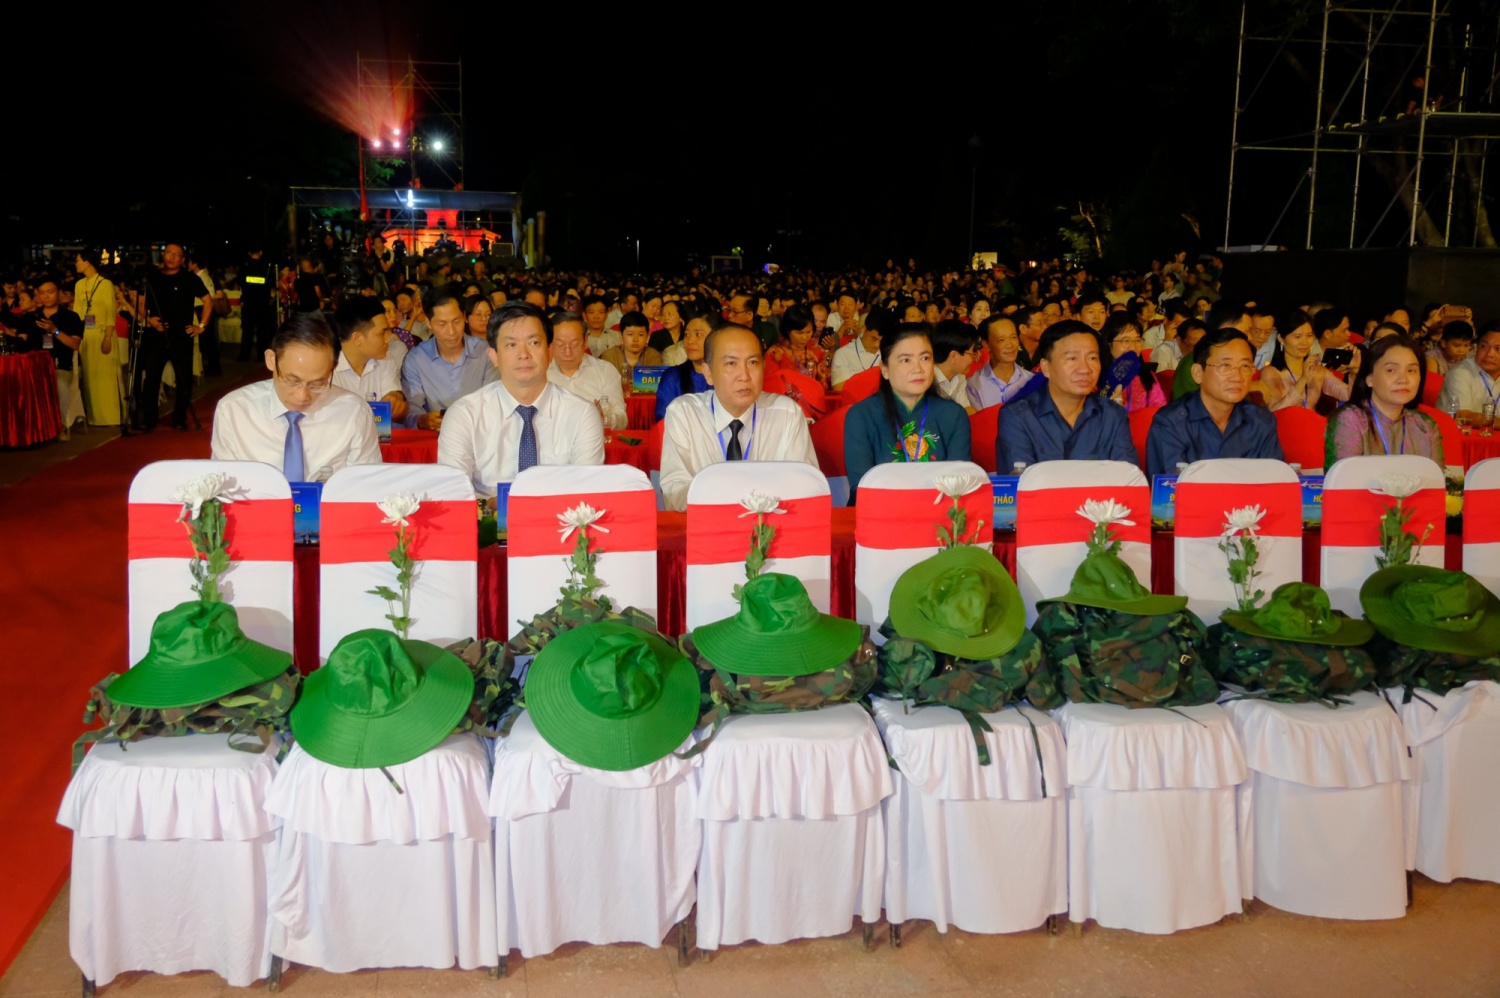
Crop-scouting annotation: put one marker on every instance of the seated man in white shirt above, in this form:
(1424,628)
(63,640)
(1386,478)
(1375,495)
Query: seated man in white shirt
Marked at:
(954,344)
(591,379)
(600,338)
(861,353)
(1474,381)
(999,380)
(521,420)
(298,420)
(365,366)
(733,421)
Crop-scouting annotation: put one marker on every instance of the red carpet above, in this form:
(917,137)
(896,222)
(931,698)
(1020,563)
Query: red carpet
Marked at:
(63,600)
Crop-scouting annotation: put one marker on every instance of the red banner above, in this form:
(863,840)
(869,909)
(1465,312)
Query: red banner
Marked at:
(1351,517)
(533,529)
(1203,507)
(442,530)
(254,530)
(1050,516)
(717,535)
(893,519)
(1482,517)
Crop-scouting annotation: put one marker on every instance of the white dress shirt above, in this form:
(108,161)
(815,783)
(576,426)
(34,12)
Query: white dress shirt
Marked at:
(594,379)
(338,430)
(481,434)
(1167,355)
(674,354)
(850,359)
(954,389)
(598,344)
(697,435)
(380,378)
(1466,384)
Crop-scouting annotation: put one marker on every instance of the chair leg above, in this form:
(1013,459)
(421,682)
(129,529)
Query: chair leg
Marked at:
(88,988)
(1410,878)
(684,944)
(895,935)
(869,934)
(273,983)
(502,969)
(1077,929)
(1054,925)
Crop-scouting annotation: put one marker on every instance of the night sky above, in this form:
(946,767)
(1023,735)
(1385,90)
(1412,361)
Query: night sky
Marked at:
(824,143)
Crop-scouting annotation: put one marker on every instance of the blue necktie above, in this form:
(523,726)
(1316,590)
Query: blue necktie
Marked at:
(292,462)
(527,457)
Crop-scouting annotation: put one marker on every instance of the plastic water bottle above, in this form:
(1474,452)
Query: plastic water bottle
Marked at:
(1018,467)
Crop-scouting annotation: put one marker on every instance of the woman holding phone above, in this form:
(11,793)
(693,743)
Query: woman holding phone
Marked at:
(1295,377)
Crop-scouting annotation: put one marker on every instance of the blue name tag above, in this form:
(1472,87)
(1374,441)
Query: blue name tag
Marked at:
(502,509)
(647,378)
(1312,500)
(382,412)
(1163,501)
(307,506)
(1005,500)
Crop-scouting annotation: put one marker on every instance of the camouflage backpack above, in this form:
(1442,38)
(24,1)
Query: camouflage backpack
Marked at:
(726,692)
(1288,671)
(1414,669)
(496,690)
(1100,655)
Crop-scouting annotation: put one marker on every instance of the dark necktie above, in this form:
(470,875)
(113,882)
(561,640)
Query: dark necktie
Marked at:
(527,456)
(292,461)
(732,450)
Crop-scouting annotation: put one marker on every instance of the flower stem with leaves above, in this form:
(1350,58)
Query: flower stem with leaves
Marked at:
(206,534)
(406,570)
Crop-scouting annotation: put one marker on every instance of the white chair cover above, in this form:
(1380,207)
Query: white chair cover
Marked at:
(1482,523)
(1206,492)
(1351,520)
(259,532)
(718,533)
(172,851)
(793,844)
(537,555)
(981,847)
(1322,812)
(1454,801)
(1050,536)
(368,877)
(586,855)
(896,519)
(1153,842)
(354,545)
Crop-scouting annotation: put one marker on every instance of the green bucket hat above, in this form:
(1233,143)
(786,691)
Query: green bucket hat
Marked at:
(610,696)
(1103,580)
(961,602)
(1299,611)
(1432,609)
(198,654)
(777,632)
(381,701)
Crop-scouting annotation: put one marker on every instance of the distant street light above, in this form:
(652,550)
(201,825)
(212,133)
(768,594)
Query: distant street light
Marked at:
(437,145)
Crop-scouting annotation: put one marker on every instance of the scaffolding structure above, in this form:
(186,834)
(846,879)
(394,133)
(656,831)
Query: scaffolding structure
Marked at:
(1431,131)
(430,93)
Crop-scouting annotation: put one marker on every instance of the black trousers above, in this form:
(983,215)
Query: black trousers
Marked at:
(208,346)
(258,325)
(156,350)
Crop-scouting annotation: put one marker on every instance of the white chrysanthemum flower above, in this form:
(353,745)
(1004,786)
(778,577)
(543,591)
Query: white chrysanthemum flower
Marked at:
(1243,520)
(580,517)
(1398,486)
(398,508)
(1105,511)
(757,504)
(953,486)
(194,493)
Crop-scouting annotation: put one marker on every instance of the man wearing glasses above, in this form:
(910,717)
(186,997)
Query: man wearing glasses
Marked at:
(297,421)
(1213,421)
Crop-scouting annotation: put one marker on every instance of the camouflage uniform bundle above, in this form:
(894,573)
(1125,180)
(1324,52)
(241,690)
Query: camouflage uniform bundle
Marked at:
(574,611)
(1102,655)
(260,710)
(495,688)
(725,692)
(1437,630)
(1293,648)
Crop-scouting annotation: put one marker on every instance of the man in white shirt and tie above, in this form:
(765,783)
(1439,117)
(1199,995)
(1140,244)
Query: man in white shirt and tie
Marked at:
(521,420)
(365,366)
(298,420)
(733,421)
(591,379)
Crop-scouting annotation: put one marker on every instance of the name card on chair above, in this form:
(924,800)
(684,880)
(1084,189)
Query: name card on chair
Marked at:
(1312,500)
(382,414)
(307,505)
(1163,501)
(646,378)
(1005,488)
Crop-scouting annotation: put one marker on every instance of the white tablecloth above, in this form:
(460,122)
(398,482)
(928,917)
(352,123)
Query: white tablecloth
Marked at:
(975,846)
(1322,811)
(1455,795)
(172,848)
(1153,842)
(587,855)
(793,844)
(368,877)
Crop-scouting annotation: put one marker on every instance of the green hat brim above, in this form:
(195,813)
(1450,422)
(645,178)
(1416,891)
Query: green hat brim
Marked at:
(1351,632)
(155,686)
(420,724)
(614,744)
(909,622)
(730,645)
(1377,597)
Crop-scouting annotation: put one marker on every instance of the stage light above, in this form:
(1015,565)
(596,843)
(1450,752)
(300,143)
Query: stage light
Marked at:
(437,145)
(376,143)
(396,132)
